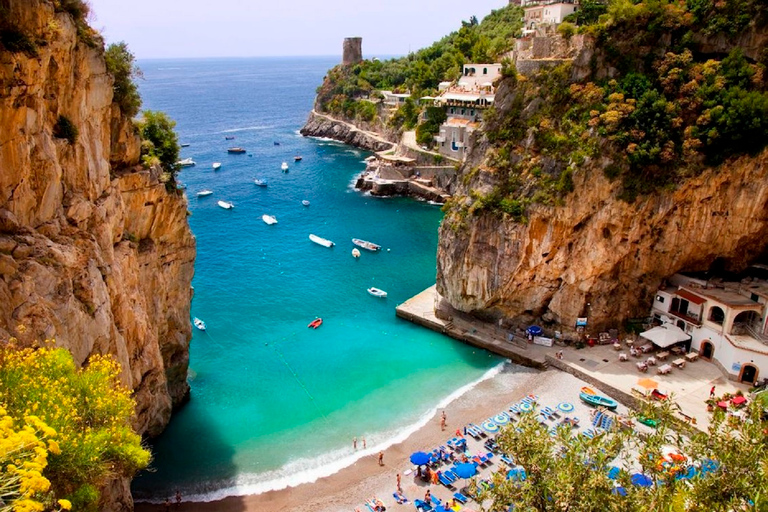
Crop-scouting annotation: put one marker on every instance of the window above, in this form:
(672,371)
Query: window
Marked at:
(485,71)
(463,111)
(754,297)
(716,315)
(660,299)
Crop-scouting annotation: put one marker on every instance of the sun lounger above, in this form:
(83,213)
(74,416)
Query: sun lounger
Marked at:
(507,460)
(436,501)
(460,497)
(445,480)
(514,408)
(422,505)
(399,497)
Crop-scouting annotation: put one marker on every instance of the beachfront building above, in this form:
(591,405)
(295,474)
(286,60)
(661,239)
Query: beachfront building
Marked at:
(394,100)
(464,102)
(547,12)
(727,321)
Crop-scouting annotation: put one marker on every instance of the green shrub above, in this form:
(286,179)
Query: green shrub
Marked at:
(65,129)
(160,144)
(567,30)
(16,41)
(121,65)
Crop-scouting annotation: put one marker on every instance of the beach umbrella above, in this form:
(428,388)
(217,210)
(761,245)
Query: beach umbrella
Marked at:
(534,330)
(641,480)
(613,473)
(490,426)
(501,418)
(517,473)
(419,458)
(465,470)
(620,491)
(647,383)
(565,406)
(709,466)
(526,407)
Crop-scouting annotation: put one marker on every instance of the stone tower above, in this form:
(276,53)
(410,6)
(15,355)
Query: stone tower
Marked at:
(353,51)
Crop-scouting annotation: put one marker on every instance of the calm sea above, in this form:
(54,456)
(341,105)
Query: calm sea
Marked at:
(273,402)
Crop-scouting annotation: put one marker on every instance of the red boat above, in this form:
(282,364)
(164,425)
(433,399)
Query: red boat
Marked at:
(317,322)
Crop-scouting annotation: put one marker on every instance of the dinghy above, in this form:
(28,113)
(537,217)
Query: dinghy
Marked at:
(366,245)
(199,323)
(269,219)
(305,202)
(321,241)
(355,253)
(226,205)
(317,322)
(204,193)
(261,183)
(216,166)
(377,293)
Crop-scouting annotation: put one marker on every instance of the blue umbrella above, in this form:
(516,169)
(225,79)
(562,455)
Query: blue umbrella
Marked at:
(517,473)
(501,418)
(565,406)
(465,470)
(419,458)
(490,426)
(641,480)
(613,473)
(620,491)
(534,330)
(526,407)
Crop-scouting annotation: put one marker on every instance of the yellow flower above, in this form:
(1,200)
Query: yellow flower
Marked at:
(65,505)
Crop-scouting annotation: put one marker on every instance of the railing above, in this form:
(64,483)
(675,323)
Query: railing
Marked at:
(691,319)
(750,330)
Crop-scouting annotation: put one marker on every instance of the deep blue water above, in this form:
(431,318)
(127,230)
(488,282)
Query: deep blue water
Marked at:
(273,402)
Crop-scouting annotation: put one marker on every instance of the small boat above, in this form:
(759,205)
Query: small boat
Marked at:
(261,183)
(276,143)
(187,162)
(355,252)
(305,202)
(229,137)
(236,150)
(297,158)
(366,245)
(269,219)
(199,323)
(317,322)
(216,166)
(648,421)
(599,401)
(321,241)
(226,205)
(588,391)
(377,293)
(204,193)
(185,145)
(284,167)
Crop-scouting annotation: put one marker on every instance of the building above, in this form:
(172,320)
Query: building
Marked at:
(547,12)
(727,321)
(394,100)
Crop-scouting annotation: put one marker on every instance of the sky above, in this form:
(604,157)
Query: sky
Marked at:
(251,28)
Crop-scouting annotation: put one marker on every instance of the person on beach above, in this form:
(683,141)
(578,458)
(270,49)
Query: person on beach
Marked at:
(354,443)
(712,392)
(381,458)
(399,487)
(428,497)
(442,421)
(364,445)
(167,505)
(178,499)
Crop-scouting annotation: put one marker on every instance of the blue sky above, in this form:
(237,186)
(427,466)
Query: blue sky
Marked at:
(245,28)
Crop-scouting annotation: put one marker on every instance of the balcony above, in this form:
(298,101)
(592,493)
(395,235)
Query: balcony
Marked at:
(691,319)
(743,329)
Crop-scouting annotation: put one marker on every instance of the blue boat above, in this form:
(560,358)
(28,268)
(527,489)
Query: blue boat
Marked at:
(598,401)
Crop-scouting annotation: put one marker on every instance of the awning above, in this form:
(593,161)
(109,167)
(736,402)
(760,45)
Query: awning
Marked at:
(689,296)
(665,335)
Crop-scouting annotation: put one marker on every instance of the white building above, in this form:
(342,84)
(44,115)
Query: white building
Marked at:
(548,12)
(727,321)
(394,100)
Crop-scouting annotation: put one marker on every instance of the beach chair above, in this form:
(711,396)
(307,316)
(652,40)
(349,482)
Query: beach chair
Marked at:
(422,505)
(507,460)
(445,480)
(460,498)
(515,409)
(436,501)
(399,497)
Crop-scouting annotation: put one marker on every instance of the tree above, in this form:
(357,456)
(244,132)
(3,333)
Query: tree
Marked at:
(121,65)
(160,144)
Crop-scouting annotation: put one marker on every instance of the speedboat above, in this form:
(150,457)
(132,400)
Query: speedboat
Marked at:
(305,202)
(377,293)
(284,167)
(269,219)
(199,323)
(321,241)
(297,158)
(216,166)
(204,193)
(317,322)
(276,143)
(261,183)
(187,162)
(355,252)
(226,205)
(236,150)
(229,137)
(185,145)
(366,245)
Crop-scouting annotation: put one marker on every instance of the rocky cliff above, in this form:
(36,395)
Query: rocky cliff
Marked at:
(94,251)
(363,137)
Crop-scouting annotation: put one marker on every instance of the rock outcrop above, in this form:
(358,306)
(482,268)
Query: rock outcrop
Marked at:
(94,251)
(322,125)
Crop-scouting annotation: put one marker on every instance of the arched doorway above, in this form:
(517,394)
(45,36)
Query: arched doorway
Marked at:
(748,373)
(707,350)
(716,315)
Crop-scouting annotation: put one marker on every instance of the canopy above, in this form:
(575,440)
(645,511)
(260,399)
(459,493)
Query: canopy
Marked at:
(465,470)
(738,400)
(641,480)
(419,458)
(647,383)
(665,335)
(534,330)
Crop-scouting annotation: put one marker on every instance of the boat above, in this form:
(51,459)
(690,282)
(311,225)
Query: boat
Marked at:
(588,391)
(187,162)
(305,202)
(366,245)
(269,219)
(276,143)
(229,137)
(297,158)
(284,167)
(199,323)
(236,150)
(204,193)
(355,252)
(648,421)
(216,166)
(317,322)
(226,205)
(261,183)
(185,145)
(599,401)
(321,241)
(377,293)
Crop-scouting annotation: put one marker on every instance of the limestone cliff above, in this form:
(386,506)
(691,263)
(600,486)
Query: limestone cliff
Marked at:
(94,251)
(358,135)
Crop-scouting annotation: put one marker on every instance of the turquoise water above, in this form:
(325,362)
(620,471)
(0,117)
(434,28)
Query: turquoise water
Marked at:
(273,402)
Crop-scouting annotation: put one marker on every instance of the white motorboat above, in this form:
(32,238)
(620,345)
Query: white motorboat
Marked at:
(321,241)
(355,252)
(366,245)
(284,167)
(261,183)
(187,162)
(269,219)
(204,193)
(199,323)
(377,293)
(226,205)
(305,202)
(216,166)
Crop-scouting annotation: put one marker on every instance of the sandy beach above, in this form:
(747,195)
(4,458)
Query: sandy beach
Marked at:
(348,489)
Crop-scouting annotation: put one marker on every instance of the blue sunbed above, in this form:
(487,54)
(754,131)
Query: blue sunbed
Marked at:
(460,497)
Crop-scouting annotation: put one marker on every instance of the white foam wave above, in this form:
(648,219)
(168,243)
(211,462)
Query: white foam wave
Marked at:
(309,470)
(247,129)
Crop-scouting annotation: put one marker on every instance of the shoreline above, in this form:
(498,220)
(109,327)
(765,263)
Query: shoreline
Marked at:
(348,488)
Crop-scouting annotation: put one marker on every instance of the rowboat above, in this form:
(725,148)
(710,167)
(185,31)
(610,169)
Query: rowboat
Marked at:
(187,162)
(366,245)
(321,241)
(269,219)
(648,421)
(355,253)
(226,205)
(297,158)
(284,166)
(588,391)
(305,202)
(261,183)
(317,322)
(599,401)
(236,150)
(377,293)
(216,166)
(204,193)
(199,323)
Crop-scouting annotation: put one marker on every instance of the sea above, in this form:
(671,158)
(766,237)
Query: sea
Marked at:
(273,402)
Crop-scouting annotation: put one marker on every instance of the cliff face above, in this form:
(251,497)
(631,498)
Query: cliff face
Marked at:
(94,251)
(363,137)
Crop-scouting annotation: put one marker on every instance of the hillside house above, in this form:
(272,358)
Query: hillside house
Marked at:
(547,12)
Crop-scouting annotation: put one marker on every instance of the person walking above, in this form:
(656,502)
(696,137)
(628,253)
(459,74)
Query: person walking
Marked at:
(178,499)
(167,505)
(399,488)
(354,443)
(364,444)
(712,392)
(381,458)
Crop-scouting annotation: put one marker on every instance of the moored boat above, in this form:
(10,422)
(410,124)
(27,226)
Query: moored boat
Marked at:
(305,202)
(187,162)
(199,323)
(317,322)
(599,401)
(216,166)
(185,145)
(261,183)
(366,245)
(588,391)
(355,252)
(226,205)
(269,219)
(321,241)
(377,292)
(236,150)
(204,193)
(229,137)
(297,158)
(284,166)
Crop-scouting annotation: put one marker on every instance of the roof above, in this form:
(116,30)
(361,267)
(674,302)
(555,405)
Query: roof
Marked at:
(665,335)
(727,297)
(690,296)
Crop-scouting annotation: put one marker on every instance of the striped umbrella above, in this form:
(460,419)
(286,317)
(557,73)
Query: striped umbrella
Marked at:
(526,407)
(490,426)
(501,418)
(565,406)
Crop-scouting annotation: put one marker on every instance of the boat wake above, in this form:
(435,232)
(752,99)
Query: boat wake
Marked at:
(247,129)
(309,470)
